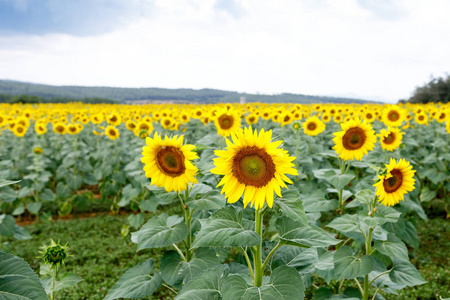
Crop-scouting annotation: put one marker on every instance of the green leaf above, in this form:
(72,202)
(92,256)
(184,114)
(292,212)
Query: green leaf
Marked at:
(205,286)
(18,280)
(285,283)
(149,204)
(20,209)
(386,214)
(47,195)
(348,225)
(427,195)
(21,234)
(62,190)
(347,266)
(211,200)
(225,228)
(393,247)
(175,271)
(68,280)
(7,182)
(136,220)
(339,181)
(316,202)
(410,235)
(291,206)
(7,225)
(160,231)
(364,196)
(34,207)
(8,194)
(136,282)
(301,259)
(405,273)
(298,234)
(24,192)
(163,196)
(199,189)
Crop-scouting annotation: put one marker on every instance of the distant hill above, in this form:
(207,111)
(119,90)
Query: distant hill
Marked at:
(9,87)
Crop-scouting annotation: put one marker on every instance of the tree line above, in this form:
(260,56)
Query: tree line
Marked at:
(436,90)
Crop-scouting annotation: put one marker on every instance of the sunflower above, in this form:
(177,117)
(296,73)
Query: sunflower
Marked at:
(395,182)
(72,129)
(393,116)
(167,122)
(390,139)
(421,119)
(37,150)
(40,128)
(369,116)
(356,139)
(447,126)
(326,117)
(59,128)
(130,124)
(168,162)
(266,114)
(285,118)
(112,132)
(20,130)
(227,122)
(313,126)
(252,119)
(255,166)
(114,119)
(143,129)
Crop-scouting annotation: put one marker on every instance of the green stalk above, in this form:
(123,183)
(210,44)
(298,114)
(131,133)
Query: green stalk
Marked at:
(366,277)
(53,293)
(187,219)
(257,249)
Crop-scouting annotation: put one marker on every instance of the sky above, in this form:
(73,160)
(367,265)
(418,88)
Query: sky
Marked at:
(370,49)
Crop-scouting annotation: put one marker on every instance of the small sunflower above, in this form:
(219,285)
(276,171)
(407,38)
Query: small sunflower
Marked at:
(168,162)
(227,122)
(421,119)
(112,132)
(390,139)
(20,130)
(393,116)
(40,128)
(37,150)
(130,124)
(395,182)
(356,139)
(59,128)
(252,119)
(114,119)
(253,166)
(72,129)
(313,126)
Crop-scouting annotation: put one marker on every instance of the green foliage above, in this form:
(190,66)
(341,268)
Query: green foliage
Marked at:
(18,281)
(436,90)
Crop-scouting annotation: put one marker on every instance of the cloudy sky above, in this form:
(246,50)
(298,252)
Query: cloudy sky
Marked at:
(372,49)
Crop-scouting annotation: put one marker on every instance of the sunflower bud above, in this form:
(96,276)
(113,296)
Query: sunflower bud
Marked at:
(54,254)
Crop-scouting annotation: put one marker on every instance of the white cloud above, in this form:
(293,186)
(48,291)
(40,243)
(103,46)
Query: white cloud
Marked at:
(274,46)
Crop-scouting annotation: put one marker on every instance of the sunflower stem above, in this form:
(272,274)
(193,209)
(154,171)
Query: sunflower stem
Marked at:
(366,277)
(54,274)
(249,264)
(257,249)
(270,254)
(187,219)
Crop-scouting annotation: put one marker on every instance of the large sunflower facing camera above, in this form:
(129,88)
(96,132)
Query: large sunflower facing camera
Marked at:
(254,166)
(395,182)
(168,162)
(356,139)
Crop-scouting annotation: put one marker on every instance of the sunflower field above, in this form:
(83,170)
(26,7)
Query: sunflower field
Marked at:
(225,201)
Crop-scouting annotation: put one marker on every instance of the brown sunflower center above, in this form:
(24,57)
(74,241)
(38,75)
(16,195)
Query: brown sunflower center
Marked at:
(286,118)
(251,119)
(226,121)
(171,161)
(393,183)
(113,119)
(421,118)
(354,138)
(393,115)
(60,129)
(112,132)
(389,139)
(253,166)
(167,122)
(311,126)
(369,116)
(19,129)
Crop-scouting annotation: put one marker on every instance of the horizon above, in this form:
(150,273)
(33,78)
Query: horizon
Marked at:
(376,51)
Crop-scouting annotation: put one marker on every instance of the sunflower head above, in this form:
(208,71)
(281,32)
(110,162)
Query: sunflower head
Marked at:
(313,126)
(395,182)
(393,115)
(227,122)
(37,150)
(356,139)
(254,166)
(112,132)
(168,162)
(390,139)
(54,254)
